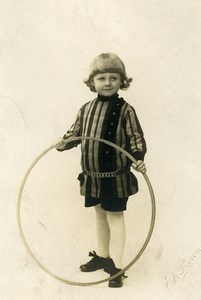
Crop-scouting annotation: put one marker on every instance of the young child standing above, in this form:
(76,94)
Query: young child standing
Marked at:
(106,180)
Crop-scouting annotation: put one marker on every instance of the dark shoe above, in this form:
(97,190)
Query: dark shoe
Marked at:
(116,282)
(96,263)
(112,270)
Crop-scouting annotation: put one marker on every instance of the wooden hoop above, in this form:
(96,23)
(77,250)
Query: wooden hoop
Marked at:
(19,201)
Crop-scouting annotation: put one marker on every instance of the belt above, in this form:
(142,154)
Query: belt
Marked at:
(106,174)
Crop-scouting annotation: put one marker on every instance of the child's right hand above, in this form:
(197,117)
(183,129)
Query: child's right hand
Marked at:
(59,144)
(140,166)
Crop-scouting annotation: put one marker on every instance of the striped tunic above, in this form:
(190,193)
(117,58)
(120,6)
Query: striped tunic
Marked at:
(113,119)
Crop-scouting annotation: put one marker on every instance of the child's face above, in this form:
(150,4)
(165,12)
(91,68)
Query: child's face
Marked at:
(107,84)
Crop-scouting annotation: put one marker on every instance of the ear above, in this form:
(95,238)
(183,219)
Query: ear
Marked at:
(122,81)
(92,82)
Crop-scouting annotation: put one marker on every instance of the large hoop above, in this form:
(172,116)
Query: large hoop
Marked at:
(19,201)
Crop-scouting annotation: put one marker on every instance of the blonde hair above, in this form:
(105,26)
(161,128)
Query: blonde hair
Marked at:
(107,63)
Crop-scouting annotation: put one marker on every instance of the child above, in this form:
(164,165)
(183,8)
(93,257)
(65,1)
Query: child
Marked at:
(106,180)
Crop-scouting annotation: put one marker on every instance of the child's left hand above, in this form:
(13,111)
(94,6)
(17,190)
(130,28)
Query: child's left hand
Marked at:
(59,144)
(139,166)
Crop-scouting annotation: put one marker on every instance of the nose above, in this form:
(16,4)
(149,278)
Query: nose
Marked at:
(107,82)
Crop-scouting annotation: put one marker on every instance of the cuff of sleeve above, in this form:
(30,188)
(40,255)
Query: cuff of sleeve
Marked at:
(139,155)
(60,150)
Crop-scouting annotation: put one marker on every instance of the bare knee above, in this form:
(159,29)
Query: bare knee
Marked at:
(115,218)
(99,209)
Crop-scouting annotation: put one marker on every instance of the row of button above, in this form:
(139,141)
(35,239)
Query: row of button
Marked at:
(107,152)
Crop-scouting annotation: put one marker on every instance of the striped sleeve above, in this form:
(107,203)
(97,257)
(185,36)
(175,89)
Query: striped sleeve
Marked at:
(73,131)
(135,134)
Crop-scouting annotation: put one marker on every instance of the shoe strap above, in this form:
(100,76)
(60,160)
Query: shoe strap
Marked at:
(93,254)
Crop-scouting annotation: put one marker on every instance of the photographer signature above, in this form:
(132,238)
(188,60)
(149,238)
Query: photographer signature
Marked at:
(181,268)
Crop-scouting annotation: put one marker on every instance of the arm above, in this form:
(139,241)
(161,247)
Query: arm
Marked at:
(72,132)
(136,139)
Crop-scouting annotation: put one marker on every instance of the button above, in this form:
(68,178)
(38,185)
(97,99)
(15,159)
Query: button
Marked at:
(107,152)
(109,132)
(114,113)
(117,104)
(111,123)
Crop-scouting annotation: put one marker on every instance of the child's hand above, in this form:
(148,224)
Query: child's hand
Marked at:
(59,144)
(139,166)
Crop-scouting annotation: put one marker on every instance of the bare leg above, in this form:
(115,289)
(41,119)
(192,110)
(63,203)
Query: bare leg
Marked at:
(117,236)
(103,232)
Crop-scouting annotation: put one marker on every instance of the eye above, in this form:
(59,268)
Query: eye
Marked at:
(114,78)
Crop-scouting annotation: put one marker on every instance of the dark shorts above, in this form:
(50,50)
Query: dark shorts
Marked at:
(117,204)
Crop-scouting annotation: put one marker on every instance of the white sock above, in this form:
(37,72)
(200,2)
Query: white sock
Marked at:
(117,237)
(103,232)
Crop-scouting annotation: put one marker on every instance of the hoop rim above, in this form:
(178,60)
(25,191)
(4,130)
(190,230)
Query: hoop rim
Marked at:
(22,235)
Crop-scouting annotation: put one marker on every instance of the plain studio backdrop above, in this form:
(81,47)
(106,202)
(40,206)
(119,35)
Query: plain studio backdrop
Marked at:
(45,51)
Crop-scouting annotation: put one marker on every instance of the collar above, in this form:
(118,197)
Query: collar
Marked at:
(108,98)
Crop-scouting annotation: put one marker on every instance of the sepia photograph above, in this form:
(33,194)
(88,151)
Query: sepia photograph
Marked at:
(100,149)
